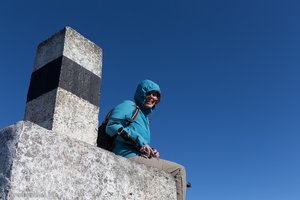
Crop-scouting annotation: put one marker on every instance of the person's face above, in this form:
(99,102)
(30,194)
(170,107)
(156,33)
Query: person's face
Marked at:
(151,99)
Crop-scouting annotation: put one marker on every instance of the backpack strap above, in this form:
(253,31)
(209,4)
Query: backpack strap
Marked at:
(107,117)
(124,134)
(129,121)
(135,114)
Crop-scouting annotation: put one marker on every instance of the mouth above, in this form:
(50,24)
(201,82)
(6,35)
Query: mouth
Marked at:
(149,103)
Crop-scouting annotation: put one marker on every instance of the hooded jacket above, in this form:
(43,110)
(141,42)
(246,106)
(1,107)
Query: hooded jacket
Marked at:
(139,129)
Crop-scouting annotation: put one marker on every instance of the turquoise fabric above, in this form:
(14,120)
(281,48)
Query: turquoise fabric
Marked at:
(139,130)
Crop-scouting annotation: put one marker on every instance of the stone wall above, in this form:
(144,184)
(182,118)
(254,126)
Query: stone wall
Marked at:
(42,164)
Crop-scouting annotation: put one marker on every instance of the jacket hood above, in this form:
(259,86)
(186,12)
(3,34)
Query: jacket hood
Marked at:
(142,89)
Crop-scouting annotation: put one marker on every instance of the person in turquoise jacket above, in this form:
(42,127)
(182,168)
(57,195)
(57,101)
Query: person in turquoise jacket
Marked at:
(133,140)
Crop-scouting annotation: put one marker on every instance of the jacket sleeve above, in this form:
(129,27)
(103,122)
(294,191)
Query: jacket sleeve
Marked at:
(118,118)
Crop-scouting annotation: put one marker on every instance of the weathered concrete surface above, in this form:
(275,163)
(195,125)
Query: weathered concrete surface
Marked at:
(39,163)
(65,113)
(73,45)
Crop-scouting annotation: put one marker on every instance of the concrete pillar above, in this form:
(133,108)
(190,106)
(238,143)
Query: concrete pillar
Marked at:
(65,85)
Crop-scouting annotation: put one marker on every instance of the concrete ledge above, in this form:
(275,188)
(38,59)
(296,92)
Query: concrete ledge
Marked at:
(38,163)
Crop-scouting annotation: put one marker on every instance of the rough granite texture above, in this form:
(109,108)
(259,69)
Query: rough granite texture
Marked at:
(65,113)
(41,164)
(41,109)
(83,51)
(49,50)
(75,117)
(73,45)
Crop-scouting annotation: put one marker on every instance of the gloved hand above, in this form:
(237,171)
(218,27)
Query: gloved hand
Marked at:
(149,152)
(155,153)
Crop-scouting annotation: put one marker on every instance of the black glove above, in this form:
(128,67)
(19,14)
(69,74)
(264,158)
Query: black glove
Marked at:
(128,138)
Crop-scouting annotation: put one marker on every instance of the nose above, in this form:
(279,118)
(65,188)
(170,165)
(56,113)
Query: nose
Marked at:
(153,96)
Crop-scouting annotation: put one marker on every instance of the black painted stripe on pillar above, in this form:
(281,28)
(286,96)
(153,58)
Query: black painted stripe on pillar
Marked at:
(44,79)
(67,74)
(80,81)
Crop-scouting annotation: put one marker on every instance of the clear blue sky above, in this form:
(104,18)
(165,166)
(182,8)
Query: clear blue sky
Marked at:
(229,72)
